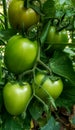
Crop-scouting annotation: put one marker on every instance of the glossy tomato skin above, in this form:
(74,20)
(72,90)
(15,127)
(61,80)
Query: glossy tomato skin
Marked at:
(14,13)
(29,17)
(58,40)
(16,96)
(20,54)
(61,39)
(51,35)
(53,88)
(19,16)
(54,37)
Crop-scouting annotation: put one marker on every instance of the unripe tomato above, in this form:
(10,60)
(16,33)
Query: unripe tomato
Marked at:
(53,88)
(20,54)
(19,16)
(16,96)
(51,35)
(57,37)
(58,40)
(63,37)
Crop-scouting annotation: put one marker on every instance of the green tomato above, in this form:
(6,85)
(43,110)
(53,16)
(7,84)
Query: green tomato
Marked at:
(20,54)
(51,35)
(58,40)
(19,16)
(61,39)
(48,87)
(16,96)
(63,36)
(54,37)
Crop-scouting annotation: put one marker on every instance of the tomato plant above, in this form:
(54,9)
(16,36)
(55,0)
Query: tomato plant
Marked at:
(21,17)
(37,65)
(43,88)
(16,96)
(20,54)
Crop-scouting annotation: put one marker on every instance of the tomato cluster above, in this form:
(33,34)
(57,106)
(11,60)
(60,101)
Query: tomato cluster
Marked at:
(22,55)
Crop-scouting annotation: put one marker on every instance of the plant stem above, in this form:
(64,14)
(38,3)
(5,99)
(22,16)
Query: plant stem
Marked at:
(24,73)
(45,66)
(39,99)
(5,13)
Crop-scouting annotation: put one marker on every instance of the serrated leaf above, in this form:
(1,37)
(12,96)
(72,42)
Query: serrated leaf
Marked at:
(62,65)
(49,8)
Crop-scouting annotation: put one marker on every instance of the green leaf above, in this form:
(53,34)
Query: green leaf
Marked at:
(6,34)
(44,33)
(69,93)
(37,9)
(31,4)
(62,65)
(11,124)
(26,122)
(67,97)
(35,109)
(49,8)
(51,125)
(73,2)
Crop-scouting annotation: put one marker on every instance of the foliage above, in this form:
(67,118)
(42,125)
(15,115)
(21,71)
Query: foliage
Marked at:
(60,63)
